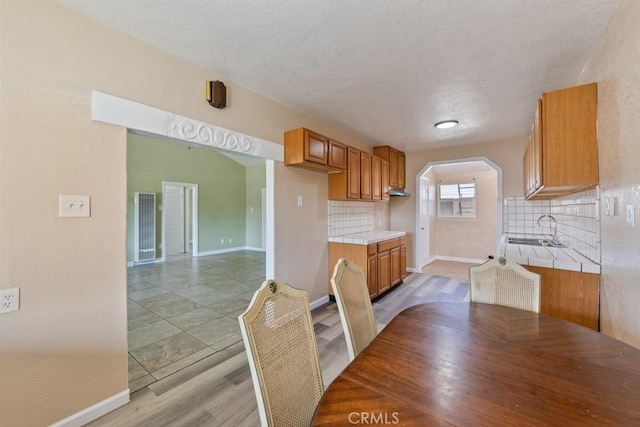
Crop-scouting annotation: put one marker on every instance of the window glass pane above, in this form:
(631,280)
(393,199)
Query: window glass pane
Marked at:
(467,191)
(449,191)
(457,200)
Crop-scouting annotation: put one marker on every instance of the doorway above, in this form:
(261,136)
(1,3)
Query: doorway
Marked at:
(179,218)
(186,300)
(423,221)
(426,247)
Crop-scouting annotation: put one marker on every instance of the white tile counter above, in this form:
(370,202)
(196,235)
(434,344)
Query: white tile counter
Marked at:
(368,237)
(546,256)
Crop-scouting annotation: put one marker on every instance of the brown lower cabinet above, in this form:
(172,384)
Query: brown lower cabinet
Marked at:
(570,295)
(384,263)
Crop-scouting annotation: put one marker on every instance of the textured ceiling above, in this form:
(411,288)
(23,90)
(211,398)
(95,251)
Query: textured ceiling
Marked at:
(383,70)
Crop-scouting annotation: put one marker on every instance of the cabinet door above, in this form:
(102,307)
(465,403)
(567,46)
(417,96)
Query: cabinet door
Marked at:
(395,266)
(384,271)
(536,150)
(337,155)
(353,173)
(569,295)
(385,180)
(376,178)
(365,176)
(568,135)
(403,261)
(393,168)
(372,275)
(315,148)
(401,167)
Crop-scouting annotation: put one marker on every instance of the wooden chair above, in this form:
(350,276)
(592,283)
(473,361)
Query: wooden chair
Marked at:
(504,282)
(354,305)
(277,330)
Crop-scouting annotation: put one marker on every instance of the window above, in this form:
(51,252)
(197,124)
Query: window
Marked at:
(457,200)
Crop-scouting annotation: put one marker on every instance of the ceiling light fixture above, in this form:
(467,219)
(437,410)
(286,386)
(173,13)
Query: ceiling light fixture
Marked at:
(447,124)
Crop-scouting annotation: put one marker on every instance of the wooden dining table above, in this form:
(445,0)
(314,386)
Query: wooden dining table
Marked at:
(472,364)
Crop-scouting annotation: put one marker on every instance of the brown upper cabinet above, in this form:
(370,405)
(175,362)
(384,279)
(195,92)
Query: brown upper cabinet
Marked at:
(307,149)
(562,154)
(376,178)
(364,179)
(396,161)
(365,176)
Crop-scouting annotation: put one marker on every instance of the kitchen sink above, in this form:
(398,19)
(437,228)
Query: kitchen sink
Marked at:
(534,242)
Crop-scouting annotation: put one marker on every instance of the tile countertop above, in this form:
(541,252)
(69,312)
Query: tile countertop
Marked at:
(546,256)
(368,237)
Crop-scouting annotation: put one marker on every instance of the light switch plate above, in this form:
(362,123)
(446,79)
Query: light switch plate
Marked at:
(75,206)
(631,220)
(610,206)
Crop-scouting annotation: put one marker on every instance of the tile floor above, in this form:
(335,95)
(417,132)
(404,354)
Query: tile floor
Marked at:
(186,309)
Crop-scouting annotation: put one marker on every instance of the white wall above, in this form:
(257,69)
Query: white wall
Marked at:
(469,238)
(66,349)
(615,66)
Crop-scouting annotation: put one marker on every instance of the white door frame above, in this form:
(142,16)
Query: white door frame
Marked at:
(489,163)
(194,215)
(150,120)
(423,227)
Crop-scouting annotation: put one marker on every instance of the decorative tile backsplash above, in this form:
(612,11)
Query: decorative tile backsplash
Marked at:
(349,217)
(578,217)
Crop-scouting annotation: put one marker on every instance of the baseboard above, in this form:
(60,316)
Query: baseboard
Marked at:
(215,252)
(155,261)
(224,251)
(413,270)
(94,412)
(457,259)
(317,303)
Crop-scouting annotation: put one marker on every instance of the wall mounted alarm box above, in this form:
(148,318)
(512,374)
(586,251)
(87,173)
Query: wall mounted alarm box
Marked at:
(216,94)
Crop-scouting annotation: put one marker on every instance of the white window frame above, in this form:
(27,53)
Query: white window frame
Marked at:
(458,200)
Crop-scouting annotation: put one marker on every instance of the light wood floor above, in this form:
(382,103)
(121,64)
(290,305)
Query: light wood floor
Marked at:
(458,270)
(218,391)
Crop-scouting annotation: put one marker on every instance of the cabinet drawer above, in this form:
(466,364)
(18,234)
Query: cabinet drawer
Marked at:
(372,249)
(403,240)
(388,244)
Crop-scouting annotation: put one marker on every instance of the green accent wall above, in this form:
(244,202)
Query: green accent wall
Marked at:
(221,188)
(256,181)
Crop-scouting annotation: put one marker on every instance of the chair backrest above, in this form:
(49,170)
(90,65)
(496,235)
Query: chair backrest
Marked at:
(277,330)
(354,305)
(504,282)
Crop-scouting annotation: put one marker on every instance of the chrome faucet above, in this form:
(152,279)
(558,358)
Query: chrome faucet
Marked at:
(554,239)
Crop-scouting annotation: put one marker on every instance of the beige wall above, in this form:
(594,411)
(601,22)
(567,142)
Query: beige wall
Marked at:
(507,154)
(470,238)
(66,348)
(615,66)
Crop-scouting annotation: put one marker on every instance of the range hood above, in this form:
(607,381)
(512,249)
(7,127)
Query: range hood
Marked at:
(398,192)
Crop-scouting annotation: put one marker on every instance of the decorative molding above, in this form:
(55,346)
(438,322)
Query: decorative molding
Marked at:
(146,119)
(211,135)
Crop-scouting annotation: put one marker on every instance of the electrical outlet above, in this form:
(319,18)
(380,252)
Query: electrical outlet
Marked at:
(222,241)
(9,300)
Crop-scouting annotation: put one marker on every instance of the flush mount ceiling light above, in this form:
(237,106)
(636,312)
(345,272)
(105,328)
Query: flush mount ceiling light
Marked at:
(447,124)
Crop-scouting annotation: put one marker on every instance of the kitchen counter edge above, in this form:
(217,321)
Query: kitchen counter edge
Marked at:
(547,257)
(368,237)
